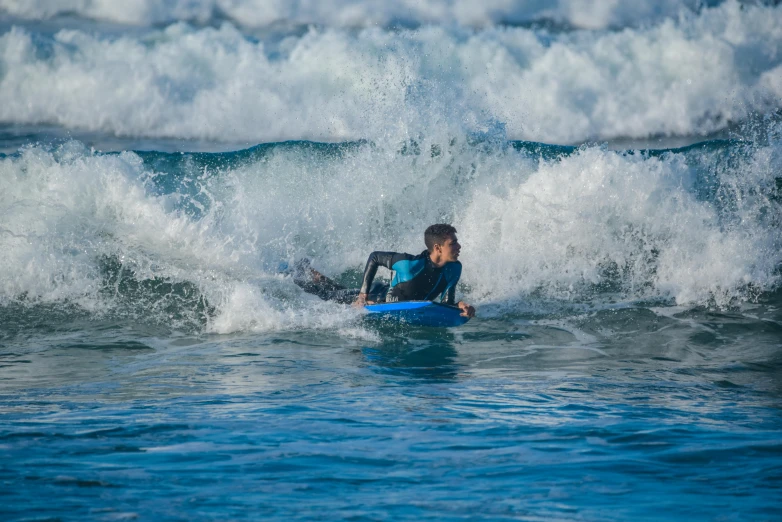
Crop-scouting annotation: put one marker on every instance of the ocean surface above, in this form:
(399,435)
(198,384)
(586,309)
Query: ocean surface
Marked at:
(613,169)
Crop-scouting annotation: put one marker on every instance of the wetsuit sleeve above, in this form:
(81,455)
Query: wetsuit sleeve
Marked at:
(450,297)
(453,275)
(386,259)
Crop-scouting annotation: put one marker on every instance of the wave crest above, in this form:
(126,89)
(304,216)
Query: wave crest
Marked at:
(690,76)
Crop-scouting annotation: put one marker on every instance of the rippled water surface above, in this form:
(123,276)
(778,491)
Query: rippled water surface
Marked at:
(614,415)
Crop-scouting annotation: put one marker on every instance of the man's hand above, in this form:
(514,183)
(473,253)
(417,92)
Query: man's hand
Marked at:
(467,310)
(361,300)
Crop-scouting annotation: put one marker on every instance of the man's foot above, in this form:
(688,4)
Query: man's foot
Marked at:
(302,272)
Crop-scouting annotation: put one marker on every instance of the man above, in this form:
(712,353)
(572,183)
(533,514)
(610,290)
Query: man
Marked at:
(429,276)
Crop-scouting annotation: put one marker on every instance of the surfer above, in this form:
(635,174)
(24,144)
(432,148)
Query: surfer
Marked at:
(429,276)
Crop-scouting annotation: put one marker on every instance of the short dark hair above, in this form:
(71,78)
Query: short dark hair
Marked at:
(437,234)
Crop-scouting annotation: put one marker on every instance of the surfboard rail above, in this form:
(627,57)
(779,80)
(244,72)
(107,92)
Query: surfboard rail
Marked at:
(418,313)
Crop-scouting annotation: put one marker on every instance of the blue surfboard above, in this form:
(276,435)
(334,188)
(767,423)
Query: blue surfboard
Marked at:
(419,313)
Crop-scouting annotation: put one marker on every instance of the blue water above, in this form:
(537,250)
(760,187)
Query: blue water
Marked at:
(501,419)
(619,216)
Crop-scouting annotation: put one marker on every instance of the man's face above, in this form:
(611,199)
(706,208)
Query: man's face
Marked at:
(450,249)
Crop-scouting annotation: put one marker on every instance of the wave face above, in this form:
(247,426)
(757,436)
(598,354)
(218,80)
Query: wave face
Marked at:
(399,115)
(357,13)
(198,238)
(692,74)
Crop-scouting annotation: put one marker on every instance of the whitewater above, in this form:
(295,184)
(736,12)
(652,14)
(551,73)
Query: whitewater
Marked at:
(614,172)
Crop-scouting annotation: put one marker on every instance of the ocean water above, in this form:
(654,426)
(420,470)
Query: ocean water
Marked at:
(614,171)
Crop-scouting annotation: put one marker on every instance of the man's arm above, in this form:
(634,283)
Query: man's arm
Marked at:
(450,296)
(453,271)
(386,259)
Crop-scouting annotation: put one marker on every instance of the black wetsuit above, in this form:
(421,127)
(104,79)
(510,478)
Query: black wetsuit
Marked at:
(416,278)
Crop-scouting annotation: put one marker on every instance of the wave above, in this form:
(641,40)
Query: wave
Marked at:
(693,75)
(360,13)
(197,239)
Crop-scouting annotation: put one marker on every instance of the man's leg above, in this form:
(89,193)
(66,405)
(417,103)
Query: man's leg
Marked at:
(313,282)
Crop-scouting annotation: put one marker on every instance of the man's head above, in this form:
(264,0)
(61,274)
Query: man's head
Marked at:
(442,243)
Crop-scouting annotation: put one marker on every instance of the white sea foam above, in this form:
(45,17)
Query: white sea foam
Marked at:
(684,227)
(65,211)
(597,216)
(591,14)
(688,76)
